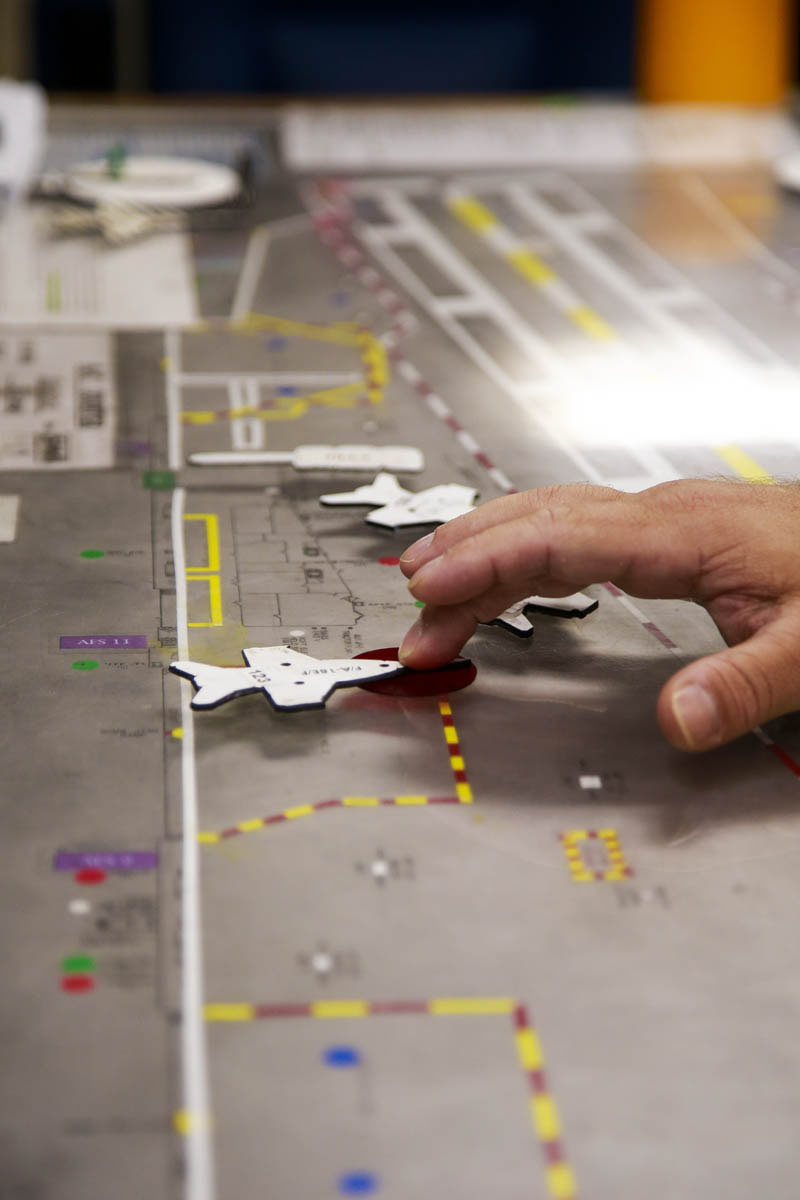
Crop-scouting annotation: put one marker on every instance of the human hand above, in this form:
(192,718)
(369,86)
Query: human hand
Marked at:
(732,547)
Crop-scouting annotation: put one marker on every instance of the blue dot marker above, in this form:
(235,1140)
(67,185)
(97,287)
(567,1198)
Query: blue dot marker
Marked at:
(342,1056)
(358,1183)
(340,299)
(277,343)
(287,390)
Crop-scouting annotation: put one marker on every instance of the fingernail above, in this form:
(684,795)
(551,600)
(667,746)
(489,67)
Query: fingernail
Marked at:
(417,548)
(697,714)
(409,642)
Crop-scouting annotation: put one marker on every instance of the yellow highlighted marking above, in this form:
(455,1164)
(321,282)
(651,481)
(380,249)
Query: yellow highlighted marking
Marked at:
(529,1049)
(533,269)
(464,793)
(229,1012)
(450,735)
(476,216)
(339,1008)
(581,872)
(471,1006)
(360,801)
(214,601)
(211,522)
(545,1118)
(456,762)
(177,734)
(183,1121)
(251,825)
(561,1182)
(592,323)
(301,810)
(208,839)
(408,800)
(445,709)
(743,464)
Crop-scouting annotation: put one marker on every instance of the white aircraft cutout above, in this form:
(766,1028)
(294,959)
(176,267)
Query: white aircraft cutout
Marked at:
(383,490)
(515,618)
(288,679)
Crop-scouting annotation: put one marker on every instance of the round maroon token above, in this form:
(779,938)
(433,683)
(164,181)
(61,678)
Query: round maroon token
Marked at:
(438,681)
(90,875)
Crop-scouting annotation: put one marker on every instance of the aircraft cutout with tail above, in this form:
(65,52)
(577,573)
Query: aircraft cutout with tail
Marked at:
(290,680)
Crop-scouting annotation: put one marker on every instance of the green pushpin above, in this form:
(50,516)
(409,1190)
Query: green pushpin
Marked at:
(115,160)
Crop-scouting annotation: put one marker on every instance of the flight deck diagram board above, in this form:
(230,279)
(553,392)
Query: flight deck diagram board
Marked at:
(501,943)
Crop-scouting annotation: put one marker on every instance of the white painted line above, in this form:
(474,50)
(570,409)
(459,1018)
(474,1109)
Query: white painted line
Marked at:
(172,367)
(251,273)
(194,1065)
(9,514)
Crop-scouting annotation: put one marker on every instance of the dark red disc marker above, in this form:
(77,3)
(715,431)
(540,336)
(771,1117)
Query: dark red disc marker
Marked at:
(438,681)
(77,983)
(90,875)
(388,560)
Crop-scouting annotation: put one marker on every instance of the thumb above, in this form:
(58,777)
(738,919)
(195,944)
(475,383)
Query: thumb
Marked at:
(720,697)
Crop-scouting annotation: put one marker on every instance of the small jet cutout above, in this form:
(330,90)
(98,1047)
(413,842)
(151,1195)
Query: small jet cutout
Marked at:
(290,680)
(515,619)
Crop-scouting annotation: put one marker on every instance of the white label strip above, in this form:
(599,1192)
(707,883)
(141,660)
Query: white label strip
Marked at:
(9,512)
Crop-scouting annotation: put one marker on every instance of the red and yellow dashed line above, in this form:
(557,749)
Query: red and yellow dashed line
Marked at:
(581,872)
(284,408)
(560,1179)
(463,789)
(482,221)
(253,825)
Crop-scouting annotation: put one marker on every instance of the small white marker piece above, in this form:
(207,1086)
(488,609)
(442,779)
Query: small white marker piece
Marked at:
(9,514)
(590,783)
(318,458)
(380,868)
(383,490)
(433,506)
(321,962)
(79,908)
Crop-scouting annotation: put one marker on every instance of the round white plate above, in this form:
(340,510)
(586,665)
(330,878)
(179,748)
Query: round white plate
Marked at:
(157,182)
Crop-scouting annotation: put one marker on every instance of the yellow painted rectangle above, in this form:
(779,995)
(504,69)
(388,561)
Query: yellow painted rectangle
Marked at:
(211,582)
(229,1012)
(451,735)
(360,801)
(339,1008)
(252,824)
(743,464)
(198,417)
(476,216)
(529,1049)
(561,1182)
(470,1006)
(575,835)
(592,323)
(456,762)
(445,709)
(301,810)
(545,1118)
(212,538)
(533,269)
(464,793)
(409,800)
(208,839)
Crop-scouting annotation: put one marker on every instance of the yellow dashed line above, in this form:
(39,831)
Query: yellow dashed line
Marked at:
(532,267)
(592,323)
(561,1182)
(743,464)
(301,810)
(529,1049)
(470,1006)
(229,1012)
(475,216)
(326,1009)
(545,1118)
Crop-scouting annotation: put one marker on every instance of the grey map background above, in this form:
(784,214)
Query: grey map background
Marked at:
(666,1002)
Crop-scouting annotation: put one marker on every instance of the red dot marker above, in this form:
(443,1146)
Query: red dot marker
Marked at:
(90,875)
(438,681)
(77,983)
(388,561)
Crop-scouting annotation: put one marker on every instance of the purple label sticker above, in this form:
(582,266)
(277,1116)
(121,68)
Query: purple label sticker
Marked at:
(110,860)
(104,641)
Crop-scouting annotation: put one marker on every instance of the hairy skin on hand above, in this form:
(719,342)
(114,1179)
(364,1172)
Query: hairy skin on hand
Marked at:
(732,547)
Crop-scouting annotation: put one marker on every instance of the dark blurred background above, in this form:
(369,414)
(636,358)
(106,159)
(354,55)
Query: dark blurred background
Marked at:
(325,47)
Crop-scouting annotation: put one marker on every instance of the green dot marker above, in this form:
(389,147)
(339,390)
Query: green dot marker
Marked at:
(159,481)
(419,604)
(93,553)
(77,964)
(85,664)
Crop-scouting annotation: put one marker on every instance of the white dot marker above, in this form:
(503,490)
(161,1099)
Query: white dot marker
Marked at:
(590,782)
(379,868)
(79,908)
(297,633)
(321,962)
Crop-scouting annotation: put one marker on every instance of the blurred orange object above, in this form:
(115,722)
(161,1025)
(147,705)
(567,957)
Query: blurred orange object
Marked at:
(716,51)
